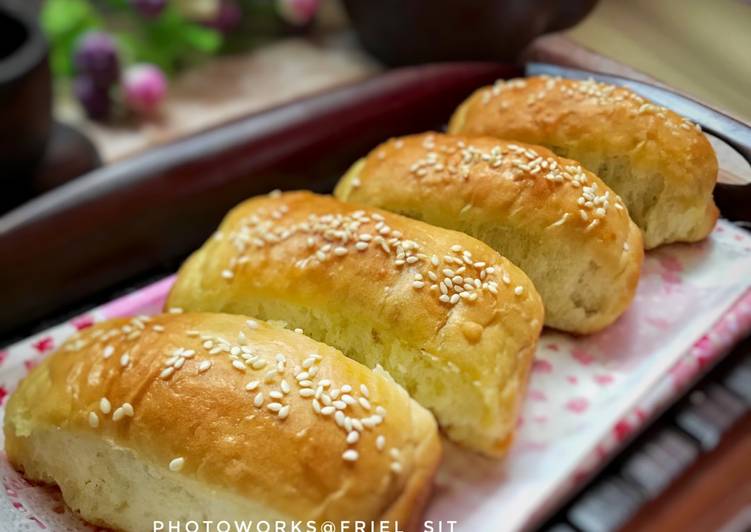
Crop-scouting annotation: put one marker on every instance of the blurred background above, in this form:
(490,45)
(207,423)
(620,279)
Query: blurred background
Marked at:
(132,74)
(699,46)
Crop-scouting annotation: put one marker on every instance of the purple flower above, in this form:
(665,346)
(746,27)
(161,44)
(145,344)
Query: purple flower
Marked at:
(96,57)
(227,18)
(144,88)
(149,8)
(94,98)
(297,12)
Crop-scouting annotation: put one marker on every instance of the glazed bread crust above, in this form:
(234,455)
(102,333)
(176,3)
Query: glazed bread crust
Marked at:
(129,441)
(450,319)
(558,222)
(661,164)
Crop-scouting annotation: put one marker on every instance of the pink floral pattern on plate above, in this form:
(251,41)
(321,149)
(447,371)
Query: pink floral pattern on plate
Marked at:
(586,395)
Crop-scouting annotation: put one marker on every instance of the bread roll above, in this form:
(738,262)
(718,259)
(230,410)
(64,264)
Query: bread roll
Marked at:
(558,222)
(451,320)
(660,163)
(212,417)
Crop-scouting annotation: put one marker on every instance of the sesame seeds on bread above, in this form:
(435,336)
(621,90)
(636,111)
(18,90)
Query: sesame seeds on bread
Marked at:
(217,417)
(557,221)
(450,319)
(661,164)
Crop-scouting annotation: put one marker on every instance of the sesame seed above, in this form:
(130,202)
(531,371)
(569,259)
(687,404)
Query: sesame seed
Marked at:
(258,400)
(93,420)
(118,414)
(519,290)
(339,405)
(307,392)
(274,407)
(353,437)
(340,251)
(396,467)
(259,364)
(238,365)
(364,390)
(350,455)
(284,385)
(107,352)
(252,324)
(176,464)
(283,412)
(104,405)
(204,365)
(167,372)
(327,410)
(364,403)
(127,409)
(380,442)
(298,330)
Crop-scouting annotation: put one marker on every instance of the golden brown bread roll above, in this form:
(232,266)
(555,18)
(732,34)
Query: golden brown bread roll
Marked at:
(450,319)
(558,222)
(199,417)
(661,164)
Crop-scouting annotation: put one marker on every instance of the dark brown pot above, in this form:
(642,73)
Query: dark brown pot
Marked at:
(25,102)
(400,32)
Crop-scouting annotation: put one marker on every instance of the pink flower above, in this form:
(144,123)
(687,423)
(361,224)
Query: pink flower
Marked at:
(144,87)
(44,345)
(82,322)
(577,405)
(581,356)
(297,12)
(542,366)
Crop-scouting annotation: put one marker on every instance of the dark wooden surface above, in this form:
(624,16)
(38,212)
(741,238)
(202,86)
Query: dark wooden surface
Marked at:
(713,494)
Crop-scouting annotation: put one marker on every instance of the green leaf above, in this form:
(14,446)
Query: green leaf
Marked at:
(62,17)
(203,39)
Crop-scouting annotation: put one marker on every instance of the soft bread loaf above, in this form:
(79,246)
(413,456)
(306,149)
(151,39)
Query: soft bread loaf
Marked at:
(558,222)
(450,319)
(212,417)
(661,164)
